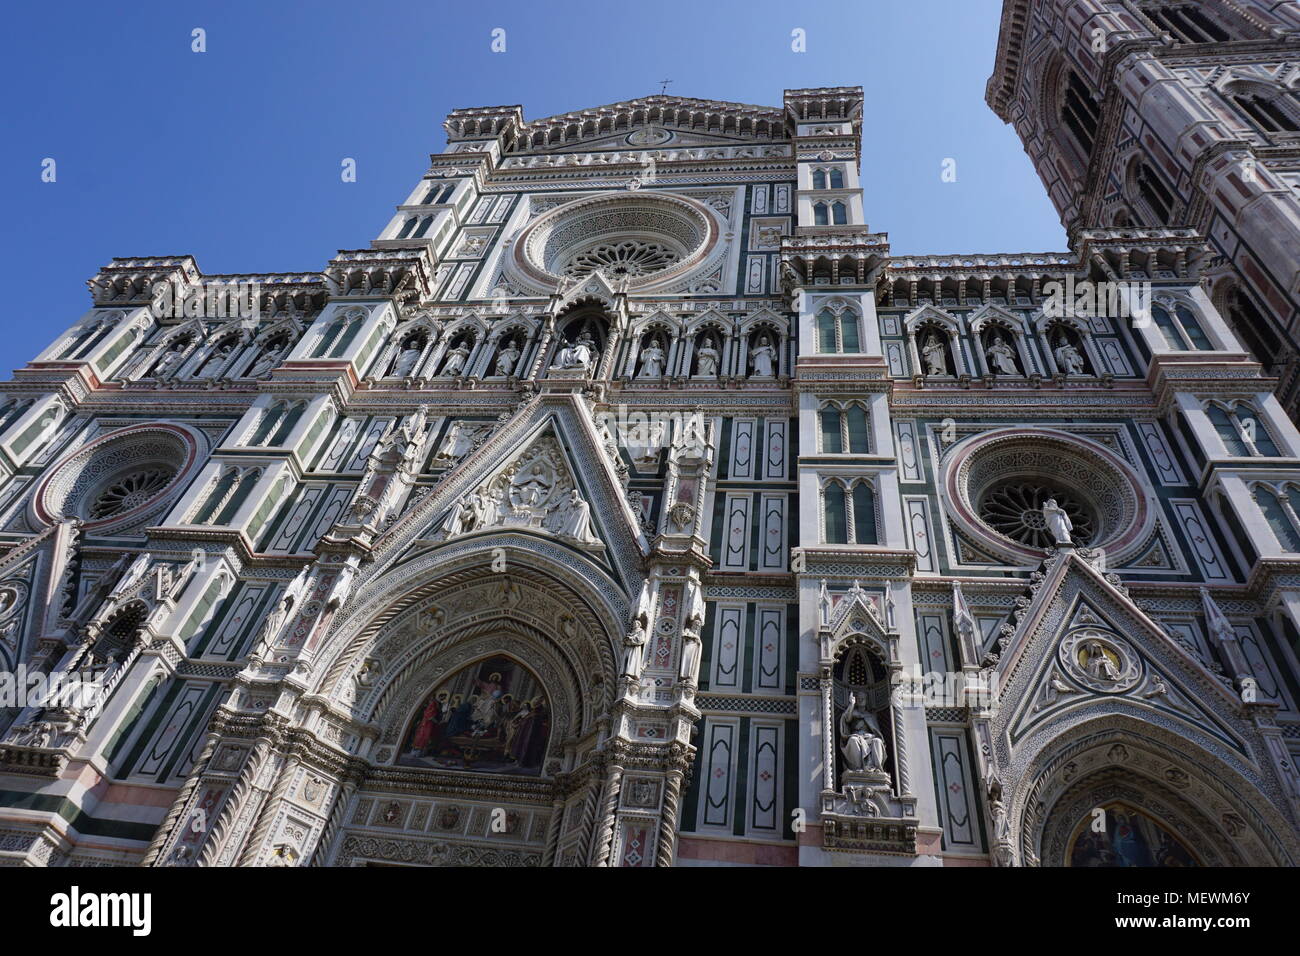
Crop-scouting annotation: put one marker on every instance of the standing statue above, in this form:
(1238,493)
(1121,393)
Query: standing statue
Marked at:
(690,661)
(652,361)
(456,358)
(935,356)
(1068,359)
(214,361)
(763,358)
(634,646)
(861,742)
(1002,357)
(508,358)
(170,361)
(707,358)
(404,363)
(1058,522)
(268,360)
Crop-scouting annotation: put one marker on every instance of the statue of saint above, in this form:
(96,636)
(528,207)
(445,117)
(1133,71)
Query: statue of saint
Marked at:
(456,358)
(508,358)
(170,361)
(652,361)
(1058,522)
(763,359)
(935,356)
(861,742)
(1002,357)
(268,360)
(574,521)
(576,354)
(634,646)
(1068,359)
(707,359)
(404,363)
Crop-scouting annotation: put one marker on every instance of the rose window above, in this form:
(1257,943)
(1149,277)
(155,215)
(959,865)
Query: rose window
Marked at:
(630,258)
(129,491)
(1016,510)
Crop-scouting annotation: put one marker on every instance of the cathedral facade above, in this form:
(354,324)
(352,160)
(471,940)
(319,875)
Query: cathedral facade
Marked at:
(626,502)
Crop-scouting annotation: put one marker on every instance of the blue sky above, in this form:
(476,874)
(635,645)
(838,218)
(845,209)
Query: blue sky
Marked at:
(233,155)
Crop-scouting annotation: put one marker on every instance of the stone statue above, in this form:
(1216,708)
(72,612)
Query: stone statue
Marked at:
(707,359)
(1097,663)
(460,519)
(634,646)
(652,361)
(133,574)
(576,354)
(575,520)
(763,359)
(690,661)
(456,443)
(861,741)
(455,362)
(1058,522)
(935,356)
(508,358)
(404,363)
(214,361)
(170,361)
(268,360)
(1068,359)
(1002,357)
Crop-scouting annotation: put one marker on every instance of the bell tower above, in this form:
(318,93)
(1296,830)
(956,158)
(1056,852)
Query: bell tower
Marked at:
(1167,114)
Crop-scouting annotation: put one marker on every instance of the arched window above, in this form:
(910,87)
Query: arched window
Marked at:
(350,334)
(837,178)
(839,213)
(1080,113)
(1186,23)
(221,491)
(287,424)
(425,223)
(864,514)
(12,410)
(832,437)
(849,332)
(1242,432)
(826,336)
(267,423)
(1268,113)
(331,333)
(245,487)
(1278,521)
(820,216)
(1255,328)
(844,429)
(819,179)
(1180,329)
(836,512)
(1155,194)
(407,227)
(859,435)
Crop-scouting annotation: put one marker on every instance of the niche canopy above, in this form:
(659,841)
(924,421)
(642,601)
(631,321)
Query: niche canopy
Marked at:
(645,239)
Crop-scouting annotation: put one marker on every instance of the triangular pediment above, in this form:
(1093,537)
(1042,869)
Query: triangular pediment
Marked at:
(1081,646)
(522,480)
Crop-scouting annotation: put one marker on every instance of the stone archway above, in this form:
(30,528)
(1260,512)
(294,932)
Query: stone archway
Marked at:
(1196,798)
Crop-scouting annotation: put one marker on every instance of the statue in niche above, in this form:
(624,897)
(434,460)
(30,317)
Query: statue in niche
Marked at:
(1002,357)
(707,358)
(268,360)
(508,358)
(170,361)
(1057,521)
(576,354)
(690,661)
(763,358)
(634,646)
(935,356)
(652,360)
(861,742)
(1068,359)
(455,361)
(214,361)
(404,362)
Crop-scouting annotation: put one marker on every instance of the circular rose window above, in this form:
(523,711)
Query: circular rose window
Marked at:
(642,237)
(995,486)
(119,479)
